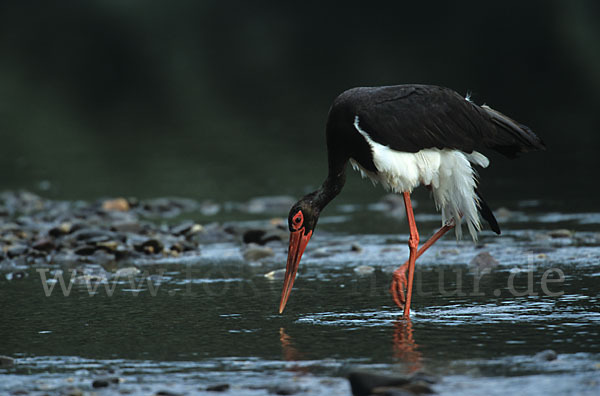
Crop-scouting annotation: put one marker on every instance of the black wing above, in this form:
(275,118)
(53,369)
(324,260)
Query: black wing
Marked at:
(414,117)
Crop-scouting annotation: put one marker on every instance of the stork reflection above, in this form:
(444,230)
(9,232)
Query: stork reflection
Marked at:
(404,347)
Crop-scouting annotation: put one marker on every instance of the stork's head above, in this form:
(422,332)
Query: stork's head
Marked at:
(302,221)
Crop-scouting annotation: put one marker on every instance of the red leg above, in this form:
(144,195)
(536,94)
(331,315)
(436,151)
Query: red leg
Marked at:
(399,276)
(413,243)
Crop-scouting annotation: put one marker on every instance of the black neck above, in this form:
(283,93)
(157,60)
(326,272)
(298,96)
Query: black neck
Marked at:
(331,187)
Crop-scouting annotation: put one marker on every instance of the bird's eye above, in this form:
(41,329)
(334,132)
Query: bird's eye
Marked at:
(297,220)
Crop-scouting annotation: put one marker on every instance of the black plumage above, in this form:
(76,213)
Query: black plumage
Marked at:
(411,118)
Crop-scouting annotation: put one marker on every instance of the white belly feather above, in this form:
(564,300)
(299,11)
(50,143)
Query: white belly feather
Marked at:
(447,171)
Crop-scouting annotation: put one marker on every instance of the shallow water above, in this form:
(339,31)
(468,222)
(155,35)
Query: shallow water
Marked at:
(210,318)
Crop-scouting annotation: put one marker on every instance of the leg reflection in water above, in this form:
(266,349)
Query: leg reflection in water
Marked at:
(290,353)
(405,347)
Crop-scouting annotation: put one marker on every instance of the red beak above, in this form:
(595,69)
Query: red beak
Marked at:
(298,242)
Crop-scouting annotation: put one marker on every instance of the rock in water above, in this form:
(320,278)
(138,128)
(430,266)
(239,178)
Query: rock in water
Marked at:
(100,383)
(255,253)
(117,204)
(483,262)
(364,270)
(547,355)
(276,275)
(363,383)
(561,233)
(6,361)
(218,388)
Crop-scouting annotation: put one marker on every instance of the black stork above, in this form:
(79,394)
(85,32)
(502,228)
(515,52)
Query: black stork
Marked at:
(403,136)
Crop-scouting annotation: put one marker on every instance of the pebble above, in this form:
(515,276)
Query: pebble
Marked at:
(503,213)
(182,228)
(275,275)
(483,262)
(72,391)
(561,233)
(127,226)
(62,229)
(356,248)
(126,272)
(547,355)
(85,250)
(17,275)
(117,204)
(254,252)
(45,245)
(364,270)
(363,383)
(218,388)
(166,393)
(150,246)
(100,383)
(6,361)
(17,251)
(87,279)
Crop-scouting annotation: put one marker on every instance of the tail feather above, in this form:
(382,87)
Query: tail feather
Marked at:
(487,213)
(514,138)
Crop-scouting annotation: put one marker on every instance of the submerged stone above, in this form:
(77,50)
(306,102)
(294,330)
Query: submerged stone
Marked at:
(6,361)
(561,233)
(255,253)
(547,355)
(483,262)
(218,388)
(364,270)
(275,275)
(363,383)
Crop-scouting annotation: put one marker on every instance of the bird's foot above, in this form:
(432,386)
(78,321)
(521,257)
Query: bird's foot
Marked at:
(398,286)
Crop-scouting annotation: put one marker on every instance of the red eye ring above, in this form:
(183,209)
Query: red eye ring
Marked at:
(297,220)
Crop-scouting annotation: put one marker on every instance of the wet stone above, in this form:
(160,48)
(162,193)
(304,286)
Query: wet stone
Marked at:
(102,257)
(255,253)
(85,250)
(356,248)
(166,393)
(364,270)
(127,226)
(284,390)
(561,233)
(72,391)
(483,262)
(117,204)
(275,275)
(45,245)
(547,355)
(17,251)
(96,235)
(110,246)
(262,237)
(150,246)
(390,391)
(6,361)
(17,275)
(503,213)
(363,383)
(218,388)
(126,272)
(100,383)
(62,229)
(185,228)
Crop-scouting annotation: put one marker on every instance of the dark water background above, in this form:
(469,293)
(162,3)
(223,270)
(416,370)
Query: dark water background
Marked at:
(227,101)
